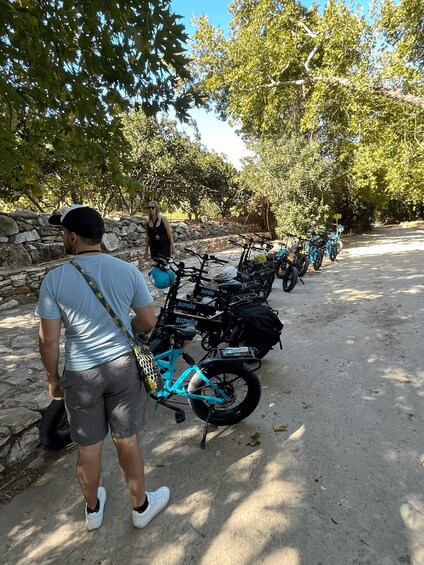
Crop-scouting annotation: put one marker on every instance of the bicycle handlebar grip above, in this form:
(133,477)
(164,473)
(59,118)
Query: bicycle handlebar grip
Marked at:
(190,251)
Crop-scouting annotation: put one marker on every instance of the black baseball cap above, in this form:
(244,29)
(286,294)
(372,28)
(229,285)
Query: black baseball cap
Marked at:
(81,220)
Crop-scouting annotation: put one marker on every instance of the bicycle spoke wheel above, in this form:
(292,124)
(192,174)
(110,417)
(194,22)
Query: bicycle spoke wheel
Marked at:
(281,271)
(241,386)
(266,286)
(318,259)
(303,265)
(290,279)
(210,341)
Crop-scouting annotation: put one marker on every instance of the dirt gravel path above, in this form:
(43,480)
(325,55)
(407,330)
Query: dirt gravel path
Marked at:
(343,485)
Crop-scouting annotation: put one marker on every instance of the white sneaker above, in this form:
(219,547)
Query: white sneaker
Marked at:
(157,502)
(93,520)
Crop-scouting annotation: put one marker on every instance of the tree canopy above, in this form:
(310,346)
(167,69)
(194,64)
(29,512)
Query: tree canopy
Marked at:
(68,71)
(171,167)
(352,85)
(331,101)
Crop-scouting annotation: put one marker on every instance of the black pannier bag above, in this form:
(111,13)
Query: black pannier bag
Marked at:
(261,325)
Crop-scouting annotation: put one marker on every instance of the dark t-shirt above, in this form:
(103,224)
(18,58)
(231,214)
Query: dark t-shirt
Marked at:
(158,240)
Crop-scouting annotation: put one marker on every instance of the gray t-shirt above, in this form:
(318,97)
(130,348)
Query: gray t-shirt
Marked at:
(91,336)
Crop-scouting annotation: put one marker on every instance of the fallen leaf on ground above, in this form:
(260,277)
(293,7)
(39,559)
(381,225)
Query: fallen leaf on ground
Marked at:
(255,439)
(280,428)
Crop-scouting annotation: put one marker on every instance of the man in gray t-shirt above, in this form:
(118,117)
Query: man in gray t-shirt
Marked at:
(100,383)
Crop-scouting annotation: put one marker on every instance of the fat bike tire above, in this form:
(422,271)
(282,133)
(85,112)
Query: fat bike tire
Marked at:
(210,342)
(281,271)
(303,265)
(290,278)
(242,387)
(266,289)
(318,260)
(54,431)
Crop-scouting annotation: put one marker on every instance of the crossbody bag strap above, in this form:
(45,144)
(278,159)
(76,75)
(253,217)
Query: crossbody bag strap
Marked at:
(102,300)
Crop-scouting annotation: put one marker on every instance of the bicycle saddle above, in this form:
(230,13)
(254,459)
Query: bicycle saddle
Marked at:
(230,286)
(186,332)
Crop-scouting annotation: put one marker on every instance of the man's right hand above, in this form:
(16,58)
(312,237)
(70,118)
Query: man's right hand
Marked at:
(56,391)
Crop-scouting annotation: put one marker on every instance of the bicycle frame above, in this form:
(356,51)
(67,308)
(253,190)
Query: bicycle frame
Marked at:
(167,360)
(333,238)
(312,246)
(283,257)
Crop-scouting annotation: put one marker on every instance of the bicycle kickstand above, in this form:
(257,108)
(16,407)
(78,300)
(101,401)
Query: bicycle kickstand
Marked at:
(207,428)
(301,280)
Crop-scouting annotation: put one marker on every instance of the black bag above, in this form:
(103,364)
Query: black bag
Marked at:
(261,325)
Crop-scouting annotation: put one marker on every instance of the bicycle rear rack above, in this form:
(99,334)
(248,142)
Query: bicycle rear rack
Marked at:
(243,354)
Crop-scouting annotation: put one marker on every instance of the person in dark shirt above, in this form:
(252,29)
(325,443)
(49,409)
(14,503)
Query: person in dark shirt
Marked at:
(159,238)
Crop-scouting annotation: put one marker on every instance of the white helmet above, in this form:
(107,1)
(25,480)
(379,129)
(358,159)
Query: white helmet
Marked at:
(231,272)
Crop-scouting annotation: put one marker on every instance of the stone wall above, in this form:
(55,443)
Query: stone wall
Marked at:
(30,246)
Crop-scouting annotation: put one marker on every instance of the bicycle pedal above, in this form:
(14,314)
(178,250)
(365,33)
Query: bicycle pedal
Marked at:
(179,416)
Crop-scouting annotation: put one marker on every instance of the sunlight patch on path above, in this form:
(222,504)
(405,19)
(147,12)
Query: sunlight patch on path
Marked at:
(386,248)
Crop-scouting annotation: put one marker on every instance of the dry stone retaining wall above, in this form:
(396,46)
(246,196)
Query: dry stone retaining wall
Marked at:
(30,246)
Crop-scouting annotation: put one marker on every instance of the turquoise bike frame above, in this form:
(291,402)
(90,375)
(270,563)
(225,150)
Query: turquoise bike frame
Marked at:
(167,360)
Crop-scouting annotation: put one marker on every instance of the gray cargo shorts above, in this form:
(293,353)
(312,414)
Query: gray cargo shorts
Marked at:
(110,395)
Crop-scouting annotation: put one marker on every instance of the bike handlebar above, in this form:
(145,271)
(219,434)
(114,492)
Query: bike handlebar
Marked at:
(205,257)
(197,270)
(197,276)
(191,252)
(217,259)
(264,237)
(236,243)
(161,260)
